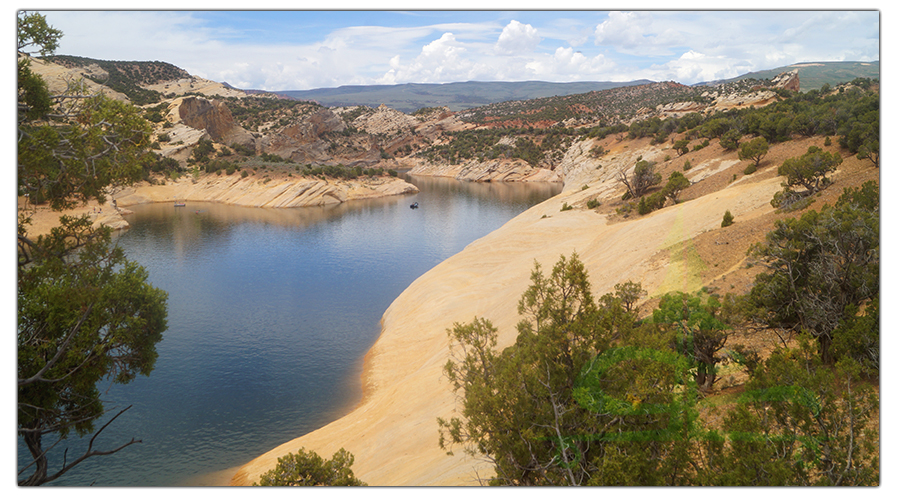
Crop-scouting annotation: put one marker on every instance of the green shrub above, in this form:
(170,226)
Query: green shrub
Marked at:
(727,219)
(306,468)
(677,182)
(730,140)
(643,207)
(593,203)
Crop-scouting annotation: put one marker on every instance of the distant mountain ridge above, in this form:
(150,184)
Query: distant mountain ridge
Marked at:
(145,82)
(458,96)
(409,97)
(814,74)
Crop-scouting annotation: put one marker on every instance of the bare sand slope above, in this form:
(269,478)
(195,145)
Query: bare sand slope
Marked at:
(393,434)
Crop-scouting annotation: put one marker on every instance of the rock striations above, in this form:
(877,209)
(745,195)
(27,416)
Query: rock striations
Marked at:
(488,171)
(284,192)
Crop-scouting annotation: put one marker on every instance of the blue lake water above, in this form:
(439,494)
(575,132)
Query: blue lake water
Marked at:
(270,314)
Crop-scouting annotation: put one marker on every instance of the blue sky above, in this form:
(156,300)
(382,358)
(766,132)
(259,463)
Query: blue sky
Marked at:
(296,50)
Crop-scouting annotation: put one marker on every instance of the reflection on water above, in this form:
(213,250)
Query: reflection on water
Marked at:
(270,314)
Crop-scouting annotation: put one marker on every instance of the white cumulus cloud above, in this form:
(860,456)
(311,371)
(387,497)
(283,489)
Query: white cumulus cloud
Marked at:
(517,38)
(642,33)
(443,60)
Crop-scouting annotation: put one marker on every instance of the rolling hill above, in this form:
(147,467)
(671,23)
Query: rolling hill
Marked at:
(815,74)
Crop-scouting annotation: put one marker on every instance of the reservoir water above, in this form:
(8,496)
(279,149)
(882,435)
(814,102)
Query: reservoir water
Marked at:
(270,314)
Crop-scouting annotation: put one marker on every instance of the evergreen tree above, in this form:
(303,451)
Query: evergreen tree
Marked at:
(85,313)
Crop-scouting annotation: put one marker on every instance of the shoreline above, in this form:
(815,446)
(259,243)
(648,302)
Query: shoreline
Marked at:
(393,432)
(253,192)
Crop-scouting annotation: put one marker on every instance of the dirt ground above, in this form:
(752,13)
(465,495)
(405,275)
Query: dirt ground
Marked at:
(720,256)
(43,219)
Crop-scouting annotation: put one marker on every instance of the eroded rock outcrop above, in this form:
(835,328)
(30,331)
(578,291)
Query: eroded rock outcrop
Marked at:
(215,118)
(385,121)
(789,80)
(488,171)
(302,141)
(581,165)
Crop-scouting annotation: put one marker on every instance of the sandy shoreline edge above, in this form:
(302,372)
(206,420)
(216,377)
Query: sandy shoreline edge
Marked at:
(393,432)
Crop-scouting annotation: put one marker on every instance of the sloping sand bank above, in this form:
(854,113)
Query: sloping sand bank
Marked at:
(393,433)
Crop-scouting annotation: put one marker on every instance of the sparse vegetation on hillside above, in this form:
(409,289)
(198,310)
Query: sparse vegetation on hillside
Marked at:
(821,269)
(813,75)
(850,113)
(606,106)
(536,146)
(255,112)
(587,395)
(643,177)
(128,76)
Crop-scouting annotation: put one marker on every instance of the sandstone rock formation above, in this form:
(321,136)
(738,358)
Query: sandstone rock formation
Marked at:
(215,118)
(303,141)
(679,109)
(488,171)
(385,121)
(284,192)
(789,80)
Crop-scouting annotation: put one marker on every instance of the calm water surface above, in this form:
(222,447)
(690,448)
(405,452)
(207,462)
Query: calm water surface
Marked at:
(270,314)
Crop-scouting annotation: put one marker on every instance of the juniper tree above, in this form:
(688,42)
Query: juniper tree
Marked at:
(85,313)
(754,150)
(821,268)
(643,177)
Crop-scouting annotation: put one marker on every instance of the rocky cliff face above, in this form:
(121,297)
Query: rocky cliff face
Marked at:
(215,118)
(488,171)
(304,141)
(789,80)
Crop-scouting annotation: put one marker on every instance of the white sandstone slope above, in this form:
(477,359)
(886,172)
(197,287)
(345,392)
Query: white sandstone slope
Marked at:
(393,434)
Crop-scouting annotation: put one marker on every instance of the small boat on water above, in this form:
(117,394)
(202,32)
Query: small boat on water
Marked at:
(179,204)
(414,205)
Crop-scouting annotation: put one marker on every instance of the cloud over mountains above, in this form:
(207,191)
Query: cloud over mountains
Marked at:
(310,49)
